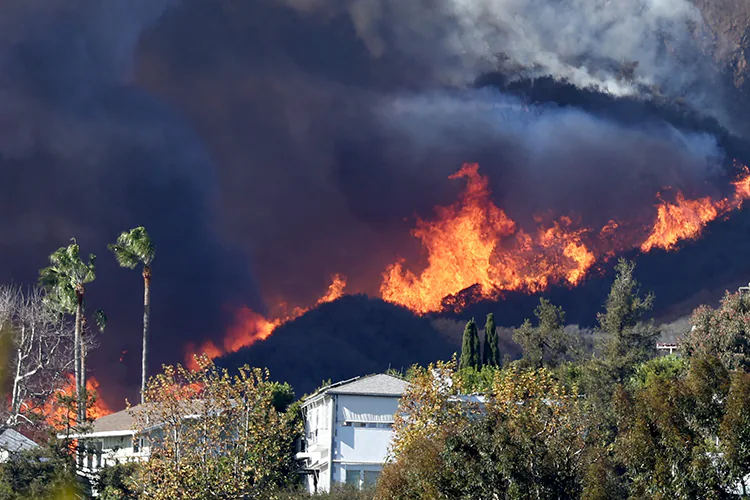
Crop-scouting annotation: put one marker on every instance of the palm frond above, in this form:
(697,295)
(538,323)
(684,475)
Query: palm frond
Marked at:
(133,247)
(124,256)
(66,273)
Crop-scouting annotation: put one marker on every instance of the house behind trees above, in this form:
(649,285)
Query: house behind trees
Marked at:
(348,429)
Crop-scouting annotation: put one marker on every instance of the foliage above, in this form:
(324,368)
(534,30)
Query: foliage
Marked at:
(66,276)
(734,431)
(46,472)
(472,380)
(527,440)
(667,434)
(470,352)
(547,343)
(722,332)
(491,353)
(626,339)
(133,247)
(660,368)
(119,482)
(216,435)
(338,492)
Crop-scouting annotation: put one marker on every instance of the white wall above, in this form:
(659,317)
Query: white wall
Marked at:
(367,444)
(358,451)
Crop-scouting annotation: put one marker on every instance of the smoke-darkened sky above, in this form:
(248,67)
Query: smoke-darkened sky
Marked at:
(266,145)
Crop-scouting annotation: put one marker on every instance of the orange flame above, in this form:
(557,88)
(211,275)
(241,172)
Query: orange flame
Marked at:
(250,327)
(57,414)
(473,243)
(685,219)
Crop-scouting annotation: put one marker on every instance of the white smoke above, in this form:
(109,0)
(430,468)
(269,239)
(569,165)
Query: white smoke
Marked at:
(638,47)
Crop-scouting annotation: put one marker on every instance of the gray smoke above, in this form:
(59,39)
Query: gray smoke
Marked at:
(636,48)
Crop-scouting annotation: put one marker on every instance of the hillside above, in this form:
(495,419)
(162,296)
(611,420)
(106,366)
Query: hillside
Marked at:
(352,336)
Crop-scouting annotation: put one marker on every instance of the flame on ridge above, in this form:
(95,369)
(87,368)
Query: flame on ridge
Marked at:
(474,244)
(250,327)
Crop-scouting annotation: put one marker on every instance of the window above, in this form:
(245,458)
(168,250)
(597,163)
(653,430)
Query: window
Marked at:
(371,477)
(352,477)
(360,424)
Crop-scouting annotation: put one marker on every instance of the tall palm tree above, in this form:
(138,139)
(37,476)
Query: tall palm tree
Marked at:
(65,279)
(132,248)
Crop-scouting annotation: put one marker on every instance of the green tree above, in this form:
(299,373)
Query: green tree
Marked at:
(65,280)
(667,434)
(491,353)
(119,482)
(734,432)
(236,443)
(527,441)
(135,247)
(723,332)
(470,353)
(626,339)
(44,473)
(547,343)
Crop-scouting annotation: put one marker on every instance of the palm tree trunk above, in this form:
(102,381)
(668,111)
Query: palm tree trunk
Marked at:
(84,395)
(146,324)
(77,358)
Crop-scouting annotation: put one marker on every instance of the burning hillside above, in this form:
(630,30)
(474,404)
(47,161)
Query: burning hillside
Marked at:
(474,244)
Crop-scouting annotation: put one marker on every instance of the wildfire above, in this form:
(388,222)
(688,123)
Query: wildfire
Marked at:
(685,219)
(250,327)
(57,414)
(474,245)
(473,242)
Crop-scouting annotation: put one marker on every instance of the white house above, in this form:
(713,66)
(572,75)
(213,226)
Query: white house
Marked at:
(110,441)
(348,428)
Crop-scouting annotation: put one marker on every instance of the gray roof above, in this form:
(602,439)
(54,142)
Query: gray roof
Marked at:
(379,384)
(14,441)
(123,421)
(119,421)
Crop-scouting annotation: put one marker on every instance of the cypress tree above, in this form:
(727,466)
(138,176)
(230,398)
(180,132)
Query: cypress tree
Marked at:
(477,346)
(491,350)
(470,355)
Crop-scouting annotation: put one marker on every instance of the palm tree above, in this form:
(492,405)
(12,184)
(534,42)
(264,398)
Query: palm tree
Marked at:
(132,248)
(64,280)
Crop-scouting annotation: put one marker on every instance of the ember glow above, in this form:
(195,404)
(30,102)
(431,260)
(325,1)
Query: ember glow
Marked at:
(473,244)
(250,327)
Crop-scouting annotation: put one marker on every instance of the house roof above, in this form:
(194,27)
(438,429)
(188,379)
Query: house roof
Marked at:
(119,421)
(14,441)
(123,423)
(379,384)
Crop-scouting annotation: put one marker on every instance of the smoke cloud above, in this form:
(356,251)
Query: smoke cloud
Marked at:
(644,48)
(86,154)
(267,145)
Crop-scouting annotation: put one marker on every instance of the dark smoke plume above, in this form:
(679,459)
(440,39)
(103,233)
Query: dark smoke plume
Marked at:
(297,140)
(86,153)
